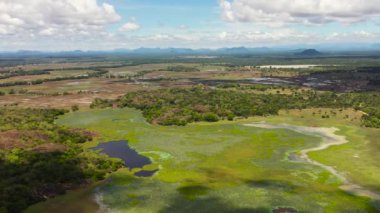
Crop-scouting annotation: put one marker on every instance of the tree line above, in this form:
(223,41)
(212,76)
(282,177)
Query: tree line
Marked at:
(23,73)
(180,106)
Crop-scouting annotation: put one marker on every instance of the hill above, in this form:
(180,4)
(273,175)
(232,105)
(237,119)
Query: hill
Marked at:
(309,52)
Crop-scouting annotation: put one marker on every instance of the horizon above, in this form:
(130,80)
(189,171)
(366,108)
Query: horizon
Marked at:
(324,47)
(100,25)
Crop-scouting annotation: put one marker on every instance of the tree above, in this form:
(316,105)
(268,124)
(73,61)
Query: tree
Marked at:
(210,117)
(74,108)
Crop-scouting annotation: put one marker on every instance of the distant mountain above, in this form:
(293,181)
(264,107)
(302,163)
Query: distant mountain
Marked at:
(189,51)
(309,52)
(233,50)
(163,51)
(304,50)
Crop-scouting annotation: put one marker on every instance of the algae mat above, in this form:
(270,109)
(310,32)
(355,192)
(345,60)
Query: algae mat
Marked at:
(220,167)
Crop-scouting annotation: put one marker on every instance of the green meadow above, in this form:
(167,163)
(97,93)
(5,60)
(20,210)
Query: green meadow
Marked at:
(223,167)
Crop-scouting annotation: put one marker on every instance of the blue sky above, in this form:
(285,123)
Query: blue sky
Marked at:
(161,16)
(110,24)
(166,16)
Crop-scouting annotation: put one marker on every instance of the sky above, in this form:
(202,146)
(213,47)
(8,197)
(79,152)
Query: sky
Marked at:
(55,25)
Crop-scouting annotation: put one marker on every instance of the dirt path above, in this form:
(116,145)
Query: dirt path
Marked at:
(329,138)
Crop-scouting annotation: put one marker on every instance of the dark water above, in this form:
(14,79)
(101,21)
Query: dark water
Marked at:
(144,173)
(132,159)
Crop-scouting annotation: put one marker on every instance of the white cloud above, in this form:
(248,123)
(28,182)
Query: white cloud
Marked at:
(52,17)
(130,27)
(277,12)
(276,37)
(362,36)
(223,35)
(82,24)
(200,39)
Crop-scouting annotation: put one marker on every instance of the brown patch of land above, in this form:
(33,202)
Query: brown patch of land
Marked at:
(10,140)
(64,94)
(49,148)
(21,139)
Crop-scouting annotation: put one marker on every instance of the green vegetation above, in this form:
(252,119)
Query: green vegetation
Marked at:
(215,167)
(182,106)
(22,73)
(101,103)
(207,160)
(39,159)
(97,73)
(372,118)
(181,68)
(74,108)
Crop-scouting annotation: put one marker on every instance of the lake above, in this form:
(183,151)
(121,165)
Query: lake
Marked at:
(132,159)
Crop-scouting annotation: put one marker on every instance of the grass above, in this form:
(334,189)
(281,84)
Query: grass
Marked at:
(225,166)
(80,201)
(358,158)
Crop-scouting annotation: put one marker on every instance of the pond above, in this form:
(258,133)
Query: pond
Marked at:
(132,159)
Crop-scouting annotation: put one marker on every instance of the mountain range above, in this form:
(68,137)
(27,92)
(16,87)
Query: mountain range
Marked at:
(295,50)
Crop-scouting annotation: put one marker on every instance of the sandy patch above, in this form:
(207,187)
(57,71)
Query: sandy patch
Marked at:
(329,138)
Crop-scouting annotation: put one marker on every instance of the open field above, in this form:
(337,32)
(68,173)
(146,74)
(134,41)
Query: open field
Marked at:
(52,74)
(223,165)
(142,73)
(67,93)
(59,65)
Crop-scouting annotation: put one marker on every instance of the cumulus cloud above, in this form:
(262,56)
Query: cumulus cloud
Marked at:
(51,17)
(299,11)
(82,24)
(130,26)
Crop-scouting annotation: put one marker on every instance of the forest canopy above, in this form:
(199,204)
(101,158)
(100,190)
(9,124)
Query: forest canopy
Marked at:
(179,106)
(39,159)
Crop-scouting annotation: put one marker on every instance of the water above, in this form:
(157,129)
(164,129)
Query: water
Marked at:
(144,173)
(132,159)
